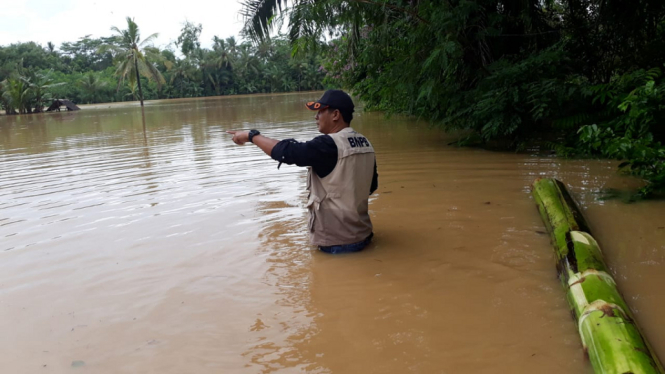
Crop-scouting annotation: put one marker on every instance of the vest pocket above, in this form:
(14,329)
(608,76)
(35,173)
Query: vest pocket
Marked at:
(313,207)
(312,220)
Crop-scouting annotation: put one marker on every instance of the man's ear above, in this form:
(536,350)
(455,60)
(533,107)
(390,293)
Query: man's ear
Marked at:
(337,115)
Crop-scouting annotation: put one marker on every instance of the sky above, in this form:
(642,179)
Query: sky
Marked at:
(68,20)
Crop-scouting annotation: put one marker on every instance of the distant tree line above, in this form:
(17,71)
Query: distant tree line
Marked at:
(584,77)
(95,70)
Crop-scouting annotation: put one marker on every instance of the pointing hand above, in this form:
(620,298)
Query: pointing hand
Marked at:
(239,137)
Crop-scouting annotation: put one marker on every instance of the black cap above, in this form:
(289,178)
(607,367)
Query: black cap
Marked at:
(336,99)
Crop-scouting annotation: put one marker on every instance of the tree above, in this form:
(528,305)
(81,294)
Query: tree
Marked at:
(224,52)
(184,77)
(92,85)
(85,54)
(16,95)
(26,89)
(188,41)
(132,91)
(134,57)
(247,69)
(25,54)
(583,72)
(40,84)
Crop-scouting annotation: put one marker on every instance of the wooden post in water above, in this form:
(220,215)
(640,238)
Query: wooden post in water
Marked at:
(609,333)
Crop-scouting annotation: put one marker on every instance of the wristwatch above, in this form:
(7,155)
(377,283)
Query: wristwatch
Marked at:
(252,134)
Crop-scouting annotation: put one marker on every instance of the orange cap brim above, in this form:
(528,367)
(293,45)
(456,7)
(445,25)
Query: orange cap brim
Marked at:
(313,105)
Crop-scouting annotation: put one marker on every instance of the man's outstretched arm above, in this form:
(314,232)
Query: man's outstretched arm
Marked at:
(266,144)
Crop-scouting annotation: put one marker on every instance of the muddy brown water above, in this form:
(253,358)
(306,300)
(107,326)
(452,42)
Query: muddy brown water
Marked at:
(165,248)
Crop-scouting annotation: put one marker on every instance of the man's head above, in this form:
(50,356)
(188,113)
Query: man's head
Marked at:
(335,111)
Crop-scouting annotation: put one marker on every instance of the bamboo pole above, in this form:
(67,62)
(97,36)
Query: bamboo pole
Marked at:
(607,328)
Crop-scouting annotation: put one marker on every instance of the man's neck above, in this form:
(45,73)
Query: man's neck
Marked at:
(340,127)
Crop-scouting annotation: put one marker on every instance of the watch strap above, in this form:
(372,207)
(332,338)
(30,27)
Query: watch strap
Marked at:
(252,134)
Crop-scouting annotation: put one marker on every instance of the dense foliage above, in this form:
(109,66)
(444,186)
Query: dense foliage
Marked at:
(584,75)
(94,70)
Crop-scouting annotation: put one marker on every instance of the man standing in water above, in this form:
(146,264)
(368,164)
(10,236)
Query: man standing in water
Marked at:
(340,177)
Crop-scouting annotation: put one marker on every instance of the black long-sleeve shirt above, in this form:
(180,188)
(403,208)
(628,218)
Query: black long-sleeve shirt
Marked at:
(320,153)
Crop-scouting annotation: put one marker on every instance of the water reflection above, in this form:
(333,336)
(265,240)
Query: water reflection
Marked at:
(278,331)
(145,131)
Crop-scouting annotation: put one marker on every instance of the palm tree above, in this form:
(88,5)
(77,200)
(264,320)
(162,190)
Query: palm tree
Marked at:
(232,45)
(247,69)
(287,83)
(247,64)
(274,76)
(132,91)
(91,86)
(26,89)
(184,75)
(39,84)
(265,49)
(224,53)
(306,18)
(16,95)
(134,56)
(309,20)
(311,76)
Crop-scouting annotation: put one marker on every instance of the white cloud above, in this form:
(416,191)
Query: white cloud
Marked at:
(68,20)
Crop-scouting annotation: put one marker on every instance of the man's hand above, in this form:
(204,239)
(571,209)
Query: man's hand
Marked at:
(240,137)
(266,144)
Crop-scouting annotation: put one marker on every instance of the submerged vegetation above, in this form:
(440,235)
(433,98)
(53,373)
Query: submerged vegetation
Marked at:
(26,91)
(582,76)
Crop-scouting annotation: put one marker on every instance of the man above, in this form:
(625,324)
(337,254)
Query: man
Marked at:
(340,177)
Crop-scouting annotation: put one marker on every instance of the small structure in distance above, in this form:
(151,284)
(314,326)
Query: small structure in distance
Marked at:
(57,103)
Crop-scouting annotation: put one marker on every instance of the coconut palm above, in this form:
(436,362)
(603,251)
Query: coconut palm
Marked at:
(247,67)
(223,53)
(232,44)
(309,20)
(132,91)
(247,60)
(306,19)
(274,77)
(184,75)
(91,86)
(134,56)
(310,76)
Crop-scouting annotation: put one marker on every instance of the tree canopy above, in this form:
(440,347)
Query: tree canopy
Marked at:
(90,68)
(581,76)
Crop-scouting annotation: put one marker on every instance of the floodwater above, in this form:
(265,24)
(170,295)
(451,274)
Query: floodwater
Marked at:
(165,248)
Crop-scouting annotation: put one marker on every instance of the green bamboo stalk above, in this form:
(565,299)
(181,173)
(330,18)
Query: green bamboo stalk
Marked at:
(607,328)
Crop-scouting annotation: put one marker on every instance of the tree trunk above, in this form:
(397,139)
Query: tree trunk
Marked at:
(609,333)
(138,79)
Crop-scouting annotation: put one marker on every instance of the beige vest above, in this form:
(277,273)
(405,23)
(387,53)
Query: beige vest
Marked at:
(338,203)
